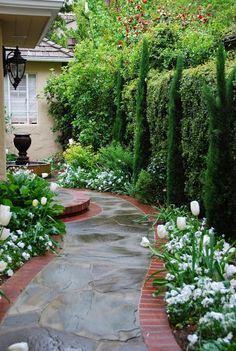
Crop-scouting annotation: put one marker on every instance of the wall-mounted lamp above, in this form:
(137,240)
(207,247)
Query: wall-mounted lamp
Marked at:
(14,65)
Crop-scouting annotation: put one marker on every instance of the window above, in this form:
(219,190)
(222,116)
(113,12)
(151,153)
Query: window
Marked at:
(21,104)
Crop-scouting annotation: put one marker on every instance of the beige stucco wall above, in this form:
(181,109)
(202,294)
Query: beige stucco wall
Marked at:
(43,142)
(2,120)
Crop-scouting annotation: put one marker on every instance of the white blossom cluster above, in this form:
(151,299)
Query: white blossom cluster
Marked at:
(201,279)
(105,180)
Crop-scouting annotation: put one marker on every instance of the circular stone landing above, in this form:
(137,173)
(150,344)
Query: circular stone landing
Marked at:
(74,201)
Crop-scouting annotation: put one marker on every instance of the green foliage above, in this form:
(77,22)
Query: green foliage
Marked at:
(219,177)
(142,137)
(143,189)
(175,170)
(157,169)
(82,156)
(19,191)
(116,157)
(194,126)
(120,119)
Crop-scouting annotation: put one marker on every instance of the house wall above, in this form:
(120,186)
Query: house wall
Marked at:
(2,120)
(43,142)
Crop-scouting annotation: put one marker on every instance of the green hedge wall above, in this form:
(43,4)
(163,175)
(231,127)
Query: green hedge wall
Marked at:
(195,120)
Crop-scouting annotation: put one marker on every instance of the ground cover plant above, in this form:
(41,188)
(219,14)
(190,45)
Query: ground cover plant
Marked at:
(27,219)
(110,169)
(200,280)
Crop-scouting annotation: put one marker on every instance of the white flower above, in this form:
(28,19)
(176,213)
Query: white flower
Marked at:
(3,266)
(230,270)
(233,283)
(71,141)
(44,175)
(10,272)
(181,223)
(53,186)
(145,242)
(193,338)
(5,234)
(21,245)
(20,346)
(161,231)
(206,240)
(44,200)
(5,215)
(195,208)
(7,151)
(35,202)
(26,255)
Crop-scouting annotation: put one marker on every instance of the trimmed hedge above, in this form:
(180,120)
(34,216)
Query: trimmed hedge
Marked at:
(195,121)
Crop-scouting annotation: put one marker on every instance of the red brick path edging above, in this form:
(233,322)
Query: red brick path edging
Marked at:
(153,318)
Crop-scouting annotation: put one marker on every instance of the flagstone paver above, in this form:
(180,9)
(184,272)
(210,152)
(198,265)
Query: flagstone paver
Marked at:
(86,299)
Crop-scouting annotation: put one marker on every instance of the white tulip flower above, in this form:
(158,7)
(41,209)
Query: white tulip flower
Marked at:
(35,202)
(44,200)
(53,186)
(145,242)
(20,346)
(5,234)
(71,141)
(44,175)
(5,215)
(3,266)
(86,7)
(161,231)
(181,223)
(195,208)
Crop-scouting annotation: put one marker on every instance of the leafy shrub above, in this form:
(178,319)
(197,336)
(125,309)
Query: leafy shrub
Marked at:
(157,169)
(102,180)
(78,155)
(144,188)
(116,157)
(19,191)
(32,223)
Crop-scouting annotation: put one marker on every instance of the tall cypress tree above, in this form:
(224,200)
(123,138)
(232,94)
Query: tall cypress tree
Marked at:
(142,134)
(120,119)
(175,168)
(219,183)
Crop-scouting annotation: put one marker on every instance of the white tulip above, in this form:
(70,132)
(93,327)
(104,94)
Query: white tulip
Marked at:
(44,200)
(20,346)
(44,175)
(181,223)
(145,242)
(53,186)
(161,231)
(35,202)
(195,208)
(5,234)
(5,215)
(71,141)
(86,8)
(3,266)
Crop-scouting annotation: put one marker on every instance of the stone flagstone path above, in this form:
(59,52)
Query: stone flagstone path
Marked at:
(86,299)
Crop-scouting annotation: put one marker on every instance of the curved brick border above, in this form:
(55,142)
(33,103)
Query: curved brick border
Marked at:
(154,323)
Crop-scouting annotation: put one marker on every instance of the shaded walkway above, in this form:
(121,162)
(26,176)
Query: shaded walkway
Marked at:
(87,299)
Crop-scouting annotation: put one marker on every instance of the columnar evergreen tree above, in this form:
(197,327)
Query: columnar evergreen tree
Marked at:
(120,120)
(142,135)
(219,192)
(175,168)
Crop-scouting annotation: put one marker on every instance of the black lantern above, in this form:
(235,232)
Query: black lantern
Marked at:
(14,65)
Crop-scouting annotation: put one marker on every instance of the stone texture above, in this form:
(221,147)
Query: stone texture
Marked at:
(87,298)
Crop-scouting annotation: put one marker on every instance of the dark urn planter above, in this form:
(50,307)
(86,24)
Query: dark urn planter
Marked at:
(22,142)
